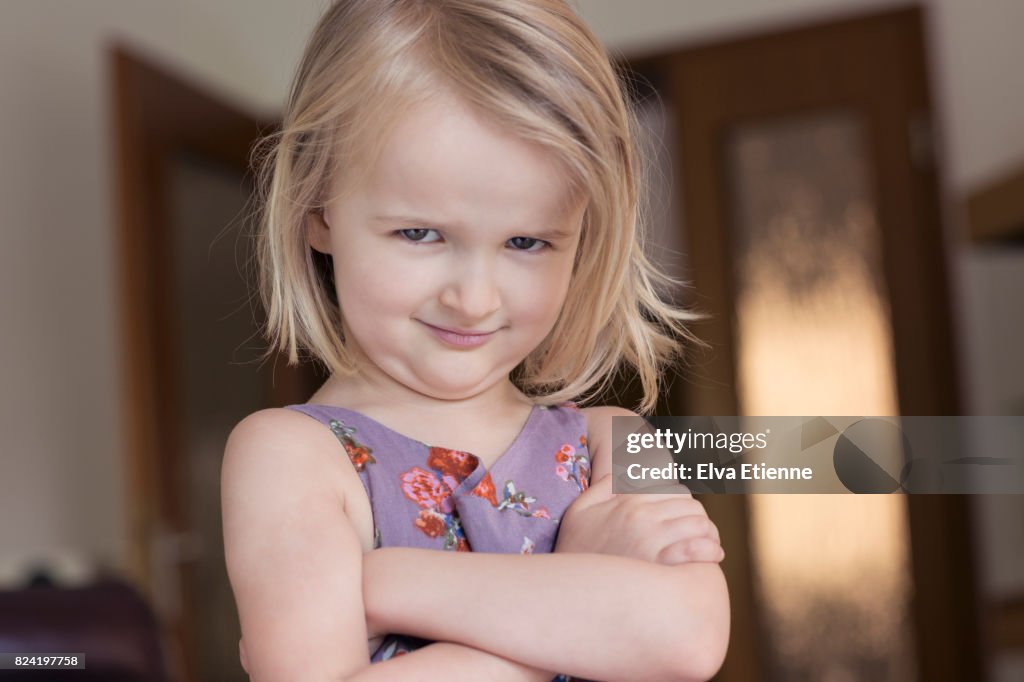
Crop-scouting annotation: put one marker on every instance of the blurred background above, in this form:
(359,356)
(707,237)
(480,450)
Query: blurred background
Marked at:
(842,182)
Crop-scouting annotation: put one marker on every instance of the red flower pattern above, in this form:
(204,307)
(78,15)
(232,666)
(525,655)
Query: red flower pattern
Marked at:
(423,488)
(432,490)
(485,489)
(572,466)
(431,523)
(453,463)
(358,454)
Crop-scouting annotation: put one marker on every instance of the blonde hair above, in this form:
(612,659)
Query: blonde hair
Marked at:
(534,67)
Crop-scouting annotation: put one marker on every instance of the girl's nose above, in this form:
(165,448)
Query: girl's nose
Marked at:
(472,290)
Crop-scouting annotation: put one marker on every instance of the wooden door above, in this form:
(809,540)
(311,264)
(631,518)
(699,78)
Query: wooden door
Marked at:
(806,175)
(192,347)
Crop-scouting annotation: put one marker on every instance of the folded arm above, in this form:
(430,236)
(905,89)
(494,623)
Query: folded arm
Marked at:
(295,564)
(596,616)
(578,612)
(501,617)
(449,661)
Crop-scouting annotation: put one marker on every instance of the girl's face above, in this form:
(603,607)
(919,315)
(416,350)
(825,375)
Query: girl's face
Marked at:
(453,253)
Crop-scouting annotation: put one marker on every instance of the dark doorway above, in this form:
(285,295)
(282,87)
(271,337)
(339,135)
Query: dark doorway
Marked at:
(191,328)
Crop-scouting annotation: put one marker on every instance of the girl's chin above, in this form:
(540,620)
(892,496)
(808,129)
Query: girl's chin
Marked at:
(453,392)
(455,386)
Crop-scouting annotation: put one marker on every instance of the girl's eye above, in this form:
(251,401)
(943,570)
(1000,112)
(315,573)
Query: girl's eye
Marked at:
(419,234)
(527,243)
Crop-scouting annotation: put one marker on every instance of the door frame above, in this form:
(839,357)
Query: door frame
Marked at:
(159,114)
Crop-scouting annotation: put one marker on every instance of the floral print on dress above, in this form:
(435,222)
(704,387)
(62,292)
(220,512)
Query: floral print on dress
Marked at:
(393,646)
(432,491)
(437,517)
(520,503)
(417,492)
(453,465)
(573,465)
(358,453)
(485,489)
(399,645)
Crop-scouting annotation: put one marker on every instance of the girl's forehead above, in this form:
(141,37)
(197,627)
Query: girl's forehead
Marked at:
(444,157)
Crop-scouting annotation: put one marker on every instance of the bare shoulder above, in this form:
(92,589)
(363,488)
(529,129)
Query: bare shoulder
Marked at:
(284,445)
(599,436)
(606,412)
(292,553)
(276,429)
(599,421)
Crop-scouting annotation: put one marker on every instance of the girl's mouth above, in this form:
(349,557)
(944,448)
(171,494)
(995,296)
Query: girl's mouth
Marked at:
(460,338)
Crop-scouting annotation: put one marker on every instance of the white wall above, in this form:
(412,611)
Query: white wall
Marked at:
(61,478)
(61,481)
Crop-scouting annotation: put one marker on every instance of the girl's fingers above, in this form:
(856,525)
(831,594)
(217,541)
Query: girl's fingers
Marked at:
(691,528)
(676,507)
(691,551)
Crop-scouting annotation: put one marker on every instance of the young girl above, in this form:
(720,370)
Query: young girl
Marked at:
(450,225)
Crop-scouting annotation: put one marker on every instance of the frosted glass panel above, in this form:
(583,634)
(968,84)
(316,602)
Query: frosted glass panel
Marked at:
(813,325)
(813,338)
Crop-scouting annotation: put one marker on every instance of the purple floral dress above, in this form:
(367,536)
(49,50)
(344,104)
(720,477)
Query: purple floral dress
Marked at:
(436,498)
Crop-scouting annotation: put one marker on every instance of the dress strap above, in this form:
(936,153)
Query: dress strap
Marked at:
(359,453)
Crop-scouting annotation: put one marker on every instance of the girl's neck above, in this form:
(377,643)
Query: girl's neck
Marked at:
(483,424)
(370,389)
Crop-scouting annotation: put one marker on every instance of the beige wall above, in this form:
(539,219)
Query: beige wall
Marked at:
(61,486)
(61,482)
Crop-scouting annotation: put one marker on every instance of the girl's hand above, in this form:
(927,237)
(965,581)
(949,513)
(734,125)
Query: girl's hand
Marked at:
(664,529)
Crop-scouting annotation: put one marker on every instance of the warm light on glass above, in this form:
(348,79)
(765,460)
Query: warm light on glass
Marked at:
(813,338)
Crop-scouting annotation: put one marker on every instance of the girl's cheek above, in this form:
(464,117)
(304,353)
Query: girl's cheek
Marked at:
(541,295)
(558,279)
(367,261)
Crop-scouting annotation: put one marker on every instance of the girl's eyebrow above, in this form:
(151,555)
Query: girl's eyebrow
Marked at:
(548,233)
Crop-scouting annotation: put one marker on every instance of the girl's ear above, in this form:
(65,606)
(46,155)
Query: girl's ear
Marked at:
(318,232)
